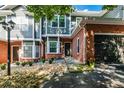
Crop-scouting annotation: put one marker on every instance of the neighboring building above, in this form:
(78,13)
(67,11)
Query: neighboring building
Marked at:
(82,35)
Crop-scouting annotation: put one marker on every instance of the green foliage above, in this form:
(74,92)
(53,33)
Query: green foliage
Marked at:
(17,63)
(40,11)
(109,7)
(30,63)
(43,60)
(23,63)
(91,63)
(3,66)
(51,60)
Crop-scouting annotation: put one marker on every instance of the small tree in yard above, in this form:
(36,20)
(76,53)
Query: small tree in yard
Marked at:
(42,11)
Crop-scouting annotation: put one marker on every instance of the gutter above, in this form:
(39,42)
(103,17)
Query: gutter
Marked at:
(5,12)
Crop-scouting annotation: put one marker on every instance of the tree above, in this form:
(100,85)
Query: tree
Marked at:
(109,7)
(41,11)
(49,11)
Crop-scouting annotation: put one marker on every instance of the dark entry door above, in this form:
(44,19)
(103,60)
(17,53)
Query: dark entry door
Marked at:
(15,54)
(67,49)
(109,48)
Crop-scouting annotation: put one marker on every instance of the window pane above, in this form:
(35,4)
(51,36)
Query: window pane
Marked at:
(27,51)
(53,46)
(78,46)
(37,51)
(61,21)
(55,22)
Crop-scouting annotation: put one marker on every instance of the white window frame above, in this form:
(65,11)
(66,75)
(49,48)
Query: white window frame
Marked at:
(58,16)
(56,46)
(64,22)
(52,22)
(77,19)
(31,51)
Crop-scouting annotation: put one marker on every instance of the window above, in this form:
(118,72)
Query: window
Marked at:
(61,21)
(78,19)
(78,45)
(53,46)
(55,22)
(27,51)
(37,51)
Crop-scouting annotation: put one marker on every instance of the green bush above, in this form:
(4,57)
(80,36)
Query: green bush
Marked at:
(17,63)
(91,64)
(23,64)
(30,63)
(51,60)
(43,60)
(3,66)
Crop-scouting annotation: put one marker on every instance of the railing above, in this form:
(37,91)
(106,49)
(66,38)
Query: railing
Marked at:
(61,31)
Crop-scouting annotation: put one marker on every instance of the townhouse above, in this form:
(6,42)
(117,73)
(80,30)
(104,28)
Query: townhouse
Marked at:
(84,35)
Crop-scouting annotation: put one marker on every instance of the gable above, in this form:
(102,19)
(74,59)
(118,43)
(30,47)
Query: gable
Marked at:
(116,13)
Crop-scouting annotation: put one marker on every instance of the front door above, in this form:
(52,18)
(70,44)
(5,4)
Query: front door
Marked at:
(67,49)
(15,54)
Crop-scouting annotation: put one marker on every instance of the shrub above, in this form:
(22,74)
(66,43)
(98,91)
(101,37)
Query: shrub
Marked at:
(51,60)
(3,66)
(30,63)
(91,64)
(42,60)
(23,64)
(17,63)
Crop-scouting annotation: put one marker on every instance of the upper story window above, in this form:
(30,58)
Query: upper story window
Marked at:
(58,21)
(55,22)
(61,21)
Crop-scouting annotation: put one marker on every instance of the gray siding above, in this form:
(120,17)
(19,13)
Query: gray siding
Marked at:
(116,13)
(2,33)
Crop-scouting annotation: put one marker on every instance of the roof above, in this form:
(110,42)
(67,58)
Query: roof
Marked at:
(89,13)
(5,12)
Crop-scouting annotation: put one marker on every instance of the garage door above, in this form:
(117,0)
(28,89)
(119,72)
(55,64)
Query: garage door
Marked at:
(109,48)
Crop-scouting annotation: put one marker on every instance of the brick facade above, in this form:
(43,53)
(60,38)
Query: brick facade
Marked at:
(3,52)
(75,54)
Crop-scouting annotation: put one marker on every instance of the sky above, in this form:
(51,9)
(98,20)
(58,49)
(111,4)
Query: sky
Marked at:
(88,7)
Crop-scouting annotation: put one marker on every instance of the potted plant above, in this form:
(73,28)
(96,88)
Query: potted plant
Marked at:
(17,63)
(51,60)
(3,66)
(30,63)
(23,64)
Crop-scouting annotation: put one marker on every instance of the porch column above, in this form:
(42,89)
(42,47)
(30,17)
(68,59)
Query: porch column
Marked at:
(33,50)
(47,44)
(58,45)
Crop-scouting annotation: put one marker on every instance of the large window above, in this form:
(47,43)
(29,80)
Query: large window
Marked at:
(55,22)
(53,46)
(58,21)
(78,45)
(61,21)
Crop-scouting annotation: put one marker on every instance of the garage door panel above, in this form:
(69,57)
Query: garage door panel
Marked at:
(109,48)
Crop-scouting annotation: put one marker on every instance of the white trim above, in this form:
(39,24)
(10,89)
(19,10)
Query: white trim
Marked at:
(58,22)
(57,52)
(46,25)
(79,20)
(109,33)
(28,39)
